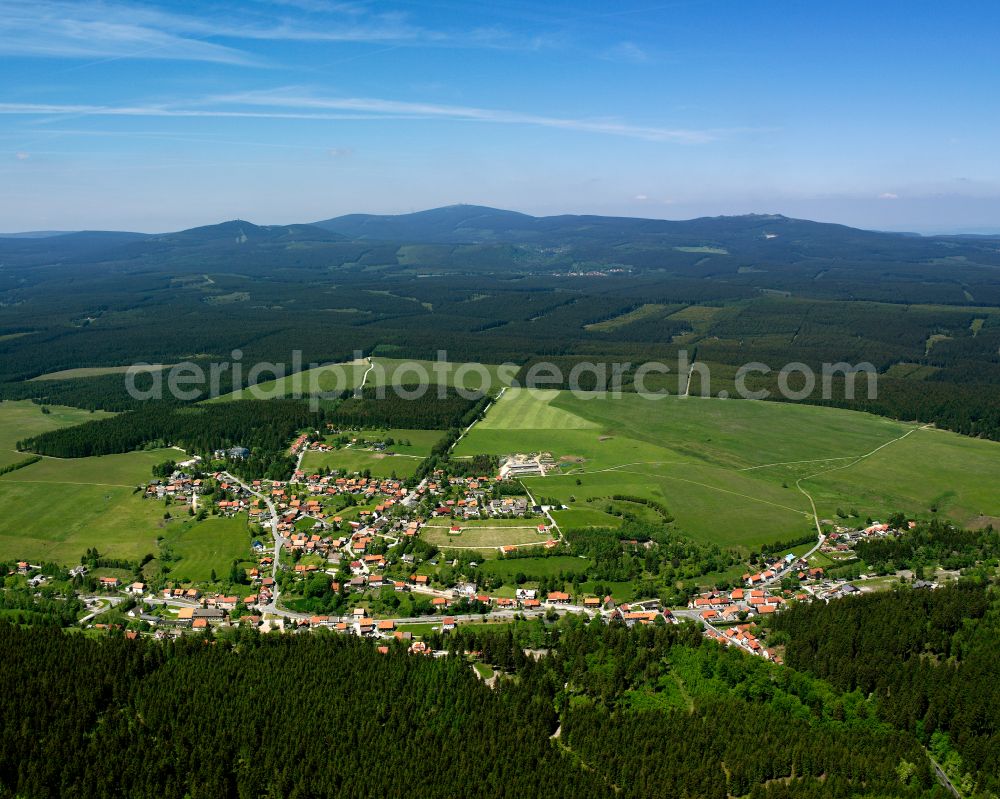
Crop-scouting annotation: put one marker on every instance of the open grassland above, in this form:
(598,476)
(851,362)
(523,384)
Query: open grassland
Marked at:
(379,371)
(354,459)
(401,457)
(929,469)
(483,537)
(97,371)
(331,377)
(531,409)
(642,312)
(485,377)
(500,521)
(55,509)
(405,441)
(24,418)
(211,544)
(727,469)
(535,568)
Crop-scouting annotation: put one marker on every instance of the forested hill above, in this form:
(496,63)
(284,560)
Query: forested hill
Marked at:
(651,713)
(930,660)
(497,286)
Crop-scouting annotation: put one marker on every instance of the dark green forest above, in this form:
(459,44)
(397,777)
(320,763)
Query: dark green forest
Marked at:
(495,287)
(928,657)
(605,711)
(263,427)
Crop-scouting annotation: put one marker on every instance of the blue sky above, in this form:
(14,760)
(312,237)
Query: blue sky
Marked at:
(155,117)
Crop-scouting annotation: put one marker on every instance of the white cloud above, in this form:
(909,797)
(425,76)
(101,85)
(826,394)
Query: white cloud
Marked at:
(627,51)
(94,29)
(51,28)
(888,195)
(22,156)
(285,98)
(641,197)
(280,105)
(340,152)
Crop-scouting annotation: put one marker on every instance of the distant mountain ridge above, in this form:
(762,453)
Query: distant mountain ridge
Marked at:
(472,224)
(769,252)
(476,224)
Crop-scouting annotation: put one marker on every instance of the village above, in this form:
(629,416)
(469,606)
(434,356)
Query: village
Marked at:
(357,539)
(382,556)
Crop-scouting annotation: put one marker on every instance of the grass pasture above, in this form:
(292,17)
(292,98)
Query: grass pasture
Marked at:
(213,543)
(536,568)
(380,371)
(727,469)
(325,378)
(97,371)
(488,378)
(486,535)
(531,409)
(642,312)
(399,458)
(23,418)
(354,459)
(55,509)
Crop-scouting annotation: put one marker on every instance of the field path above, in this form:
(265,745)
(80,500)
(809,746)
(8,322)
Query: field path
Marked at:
(798,483)
(793,463)
(623,466)
(368,371)
(717,488)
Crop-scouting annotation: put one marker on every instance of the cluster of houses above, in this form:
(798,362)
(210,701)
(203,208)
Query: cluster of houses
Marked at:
(330,485)
(721,607)
(741,636)
(724,615)
(788,566)
(179,486)
(842,540)
(233,453)
(471,498)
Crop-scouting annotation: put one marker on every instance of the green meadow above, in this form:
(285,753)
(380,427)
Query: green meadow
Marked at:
(354,459)
(401,457)
(23,418)
(379,371)
(206,546)
(485,535)
(97,371)
(326,378)
(536,568)
(727,469)
(55,509)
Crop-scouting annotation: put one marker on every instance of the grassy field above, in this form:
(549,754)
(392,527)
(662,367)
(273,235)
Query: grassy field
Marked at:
(642,312)
(417,442)
(727,469)
(489,378)
(213,543)
(535,568)
(353,459)
(497,522)
(97,371)
(483,537)
(329,377)
(55,509)
(399,458)
(23,418)
(381,372)
(531,409)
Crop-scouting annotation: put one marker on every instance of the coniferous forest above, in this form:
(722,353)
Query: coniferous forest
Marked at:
(588,710)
